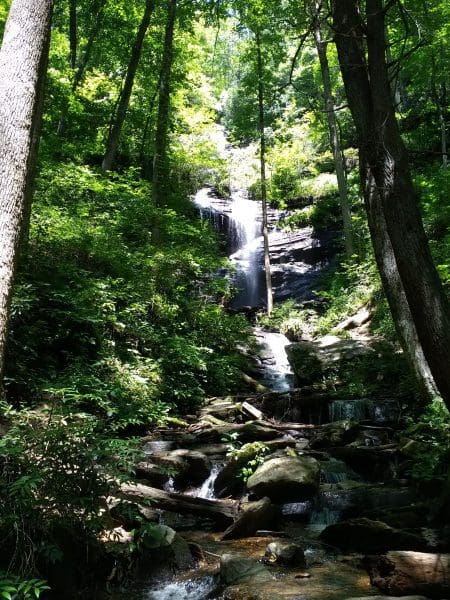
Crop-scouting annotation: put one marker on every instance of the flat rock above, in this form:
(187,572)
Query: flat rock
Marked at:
(236,569)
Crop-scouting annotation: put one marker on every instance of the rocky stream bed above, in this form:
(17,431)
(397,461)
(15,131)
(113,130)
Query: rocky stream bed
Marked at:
(285,493)
(307,524)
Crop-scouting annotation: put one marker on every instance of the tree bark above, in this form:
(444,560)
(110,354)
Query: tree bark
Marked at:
(262,139)
(116,129)
(393,287)
(368,93)
(160,167)
(219,510)
(23,63)
(335,141)
(73,33)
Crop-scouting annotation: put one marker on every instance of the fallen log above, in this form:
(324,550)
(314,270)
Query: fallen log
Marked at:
(220,511)
(401,573)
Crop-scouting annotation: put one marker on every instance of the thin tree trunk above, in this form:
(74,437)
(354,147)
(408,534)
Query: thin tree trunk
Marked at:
(116,129)
(262,138)
(335,141)
(73,33)
(23,65)
(368,93)
(160,167)
(443,127)
(84,59)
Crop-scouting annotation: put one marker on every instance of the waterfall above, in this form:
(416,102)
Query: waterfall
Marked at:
(278,374)
(297,258)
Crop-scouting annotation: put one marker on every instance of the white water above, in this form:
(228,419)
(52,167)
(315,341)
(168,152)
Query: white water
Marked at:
(278,374)
(192,589)
(206,490)
(239,219)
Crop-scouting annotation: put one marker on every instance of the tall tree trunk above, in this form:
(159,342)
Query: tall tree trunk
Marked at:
(85,57)
(23,65)
(368,93)
(73,33)
(335,141)
(160,167)
(393,287)
(116,129)
(262,139)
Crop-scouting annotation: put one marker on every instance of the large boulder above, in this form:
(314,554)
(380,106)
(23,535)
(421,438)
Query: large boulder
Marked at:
(310,360)
(257,515)
(286,479)
(365,535)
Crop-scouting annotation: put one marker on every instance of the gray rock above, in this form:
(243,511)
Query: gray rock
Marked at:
(287,554)
(237,569)
(286,479)
(257,515)
(191,467)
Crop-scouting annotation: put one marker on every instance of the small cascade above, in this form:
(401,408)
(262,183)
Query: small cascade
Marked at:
(278,374)
(328,510)
(335,471)
(192,589)
(297,509)
(206,490)
(360,409)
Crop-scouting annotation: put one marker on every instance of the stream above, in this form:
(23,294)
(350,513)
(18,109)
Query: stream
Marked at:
(347,486)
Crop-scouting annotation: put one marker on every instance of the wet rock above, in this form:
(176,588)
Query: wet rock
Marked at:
(335,434)
(155,475)
(236,569)
(364,535)
(287,554)
(228,481)
(257,515)
(191,467)
(402,573)
(285,479)
(162,547)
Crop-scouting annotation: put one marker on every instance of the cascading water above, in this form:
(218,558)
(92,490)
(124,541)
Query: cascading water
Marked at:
(277,374)
(192,589)
(239,219)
